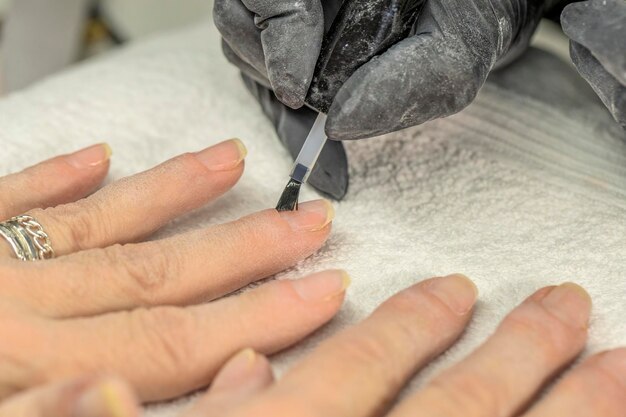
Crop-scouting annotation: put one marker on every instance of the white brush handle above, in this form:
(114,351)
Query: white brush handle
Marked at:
(310,151)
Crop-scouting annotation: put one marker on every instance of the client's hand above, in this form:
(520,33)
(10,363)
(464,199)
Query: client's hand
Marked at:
(359,372)
(105,307)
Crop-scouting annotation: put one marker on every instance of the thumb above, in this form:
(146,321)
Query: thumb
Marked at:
(419,79)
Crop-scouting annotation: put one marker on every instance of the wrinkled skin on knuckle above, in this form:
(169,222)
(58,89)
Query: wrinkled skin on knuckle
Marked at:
(371,353)
(463,395)
(90,222)
(145,271)
(430,318)
(169,336)
(547,334)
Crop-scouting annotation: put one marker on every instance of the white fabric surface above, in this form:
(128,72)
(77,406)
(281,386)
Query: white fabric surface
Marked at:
(515,192)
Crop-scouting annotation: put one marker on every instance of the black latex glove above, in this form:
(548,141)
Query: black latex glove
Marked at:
(597,32)
(434,73)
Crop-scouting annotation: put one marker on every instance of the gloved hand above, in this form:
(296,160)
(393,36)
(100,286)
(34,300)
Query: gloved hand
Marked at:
(434,73)
(597,32)
(276,43)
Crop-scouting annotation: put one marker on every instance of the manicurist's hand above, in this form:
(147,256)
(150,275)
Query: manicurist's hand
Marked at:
(433,73)
(104,305)
(360,371)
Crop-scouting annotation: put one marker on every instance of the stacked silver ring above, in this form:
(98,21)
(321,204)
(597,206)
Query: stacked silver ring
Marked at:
(27,238)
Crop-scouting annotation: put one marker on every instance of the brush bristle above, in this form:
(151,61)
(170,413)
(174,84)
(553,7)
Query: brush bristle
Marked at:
(288,200)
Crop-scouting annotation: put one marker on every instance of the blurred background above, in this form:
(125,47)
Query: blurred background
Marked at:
(41,37)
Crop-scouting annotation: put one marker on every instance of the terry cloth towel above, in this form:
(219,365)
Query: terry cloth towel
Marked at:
(525,188)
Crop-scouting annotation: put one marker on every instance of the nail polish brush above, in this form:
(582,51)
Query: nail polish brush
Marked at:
(303,165)
(361,30)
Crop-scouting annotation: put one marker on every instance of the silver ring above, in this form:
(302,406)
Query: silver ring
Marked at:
(27,238)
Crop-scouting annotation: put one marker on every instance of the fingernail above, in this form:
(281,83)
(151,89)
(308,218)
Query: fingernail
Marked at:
(90,157)
(614,362)
(323,286)
(570,302)
(224,156)
(107,399)
(236,370)
(456,291)
(310,216)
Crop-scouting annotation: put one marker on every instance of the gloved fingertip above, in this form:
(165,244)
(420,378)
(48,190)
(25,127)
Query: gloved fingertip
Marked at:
(291,97)
(344,124)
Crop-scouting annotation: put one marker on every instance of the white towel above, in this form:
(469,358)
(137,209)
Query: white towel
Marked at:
(516,192)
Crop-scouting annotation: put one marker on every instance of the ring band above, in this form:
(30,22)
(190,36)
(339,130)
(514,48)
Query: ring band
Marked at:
(27,238)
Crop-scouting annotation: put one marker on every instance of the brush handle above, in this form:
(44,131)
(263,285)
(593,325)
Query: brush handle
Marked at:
(310,150)
(361,30)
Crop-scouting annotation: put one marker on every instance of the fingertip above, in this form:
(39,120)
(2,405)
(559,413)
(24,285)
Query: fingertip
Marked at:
(90,157)
(290,94)
(322,286)
(311,216)
(107,397)
(245,371)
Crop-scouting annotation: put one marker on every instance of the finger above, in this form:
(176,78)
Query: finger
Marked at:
(291,36)
(538,338)
(59,180)
(433,74)
(599,26)
(389,93)
(243,377)
(137,206)
(246,68)
(84,397)
(358,372)
(236,25)
(597,388)
(609,89)
(168,351)
(189,268)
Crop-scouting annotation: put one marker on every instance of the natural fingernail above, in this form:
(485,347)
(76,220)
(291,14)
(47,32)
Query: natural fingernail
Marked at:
(224,156)
(236,370)
(310,216)
(323,286)
(456,291)
(107,399)
(570,302)
(614,362)
(90,157)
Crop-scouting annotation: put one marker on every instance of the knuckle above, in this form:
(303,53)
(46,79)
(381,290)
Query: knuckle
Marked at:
(372,354)
(466,395)
(145,271)
(170,337)
(417,312)
(550,336)
(89,223)
(367,350)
